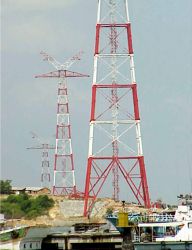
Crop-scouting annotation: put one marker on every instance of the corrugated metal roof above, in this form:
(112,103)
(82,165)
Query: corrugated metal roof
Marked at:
(28,188)
(34,188)
(18,188)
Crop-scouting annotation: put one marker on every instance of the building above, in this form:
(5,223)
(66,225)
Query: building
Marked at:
(31,190)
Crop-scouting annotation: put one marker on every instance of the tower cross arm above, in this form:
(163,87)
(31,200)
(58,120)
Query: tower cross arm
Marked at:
(41,143)
(61,74)
(35,147)
(42,147)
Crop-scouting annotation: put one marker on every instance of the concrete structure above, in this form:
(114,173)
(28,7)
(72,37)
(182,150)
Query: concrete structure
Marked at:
(88,240)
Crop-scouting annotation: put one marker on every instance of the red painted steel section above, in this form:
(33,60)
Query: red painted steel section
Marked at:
(144,183)
(87,184)
(93,103)
(129,36)
(98,26)
(135,102)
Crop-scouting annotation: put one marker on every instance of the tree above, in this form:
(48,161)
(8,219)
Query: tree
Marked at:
(11,210)
(5,187)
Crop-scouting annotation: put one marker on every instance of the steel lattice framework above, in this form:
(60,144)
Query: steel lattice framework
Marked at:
(45,163)
(115,144)
(64,171)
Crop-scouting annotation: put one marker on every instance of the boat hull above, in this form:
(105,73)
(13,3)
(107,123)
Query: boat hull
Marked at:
(13,245)
(164,245)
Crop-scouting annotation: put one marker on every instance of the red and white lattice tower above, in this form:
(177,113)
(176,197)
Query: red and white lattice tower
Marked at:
(45,163)
(115,146)
(64,171)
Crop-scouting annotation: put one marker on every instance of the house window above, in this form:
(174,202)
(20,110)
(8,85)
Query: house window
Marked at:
(30,245)
(190,225)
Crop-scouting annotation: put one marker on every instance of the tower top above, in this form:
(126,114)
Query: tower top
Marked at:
(61,66)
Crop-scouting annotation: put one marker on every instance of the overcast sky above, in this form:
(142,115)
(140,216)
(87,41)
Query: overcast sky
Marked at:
(162,40)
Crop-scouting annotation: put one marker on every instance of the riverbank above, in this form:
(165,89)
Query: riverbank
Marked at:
(67,212)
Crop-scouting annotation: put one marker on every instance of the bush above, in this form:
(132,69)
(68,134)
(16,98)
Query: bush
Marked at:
(44,201)
(17,206)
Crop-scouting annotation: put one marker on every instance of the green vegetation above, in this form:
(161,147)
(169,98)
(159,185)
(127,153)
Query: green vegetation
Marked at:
(5,187)
(13,234)
(22,205)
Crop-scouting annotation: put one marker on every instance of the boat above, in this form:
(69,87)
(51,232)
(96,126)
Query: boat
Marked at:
(176,234)
(164,233)
(161,231)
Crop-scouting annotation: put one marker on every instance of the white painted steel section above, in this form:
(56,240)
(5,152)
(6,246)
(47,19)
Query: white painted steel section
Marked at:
(56,148)
(95,69)
(127,10)
(99,11)
(54,182)
(73,173)
(114,55)
(118,65)
(132,68)
(138,130)
(138,137)
(91,139)
(62,99)
(91,126)
(63,119)
(66,171)
(117,121)
(70,146)
(110,135)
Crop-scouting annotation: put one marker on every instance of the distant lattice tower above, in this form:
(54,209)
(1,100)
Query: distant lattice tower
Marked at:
(45,163)
(115,146)
(64,171)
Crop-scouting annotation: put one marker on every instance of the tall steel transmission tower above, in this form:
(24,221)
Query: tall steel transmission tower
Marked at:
(115,146)
(45,163)
(64,171)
